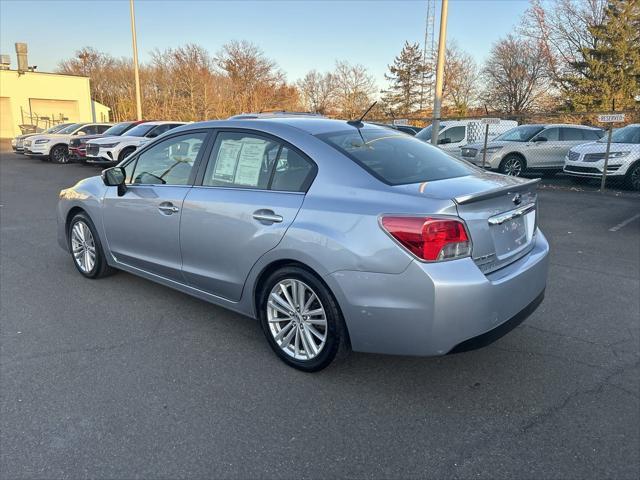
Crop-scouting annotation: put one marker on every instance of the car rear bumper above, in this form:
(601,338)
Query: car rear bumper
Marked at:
(432,308)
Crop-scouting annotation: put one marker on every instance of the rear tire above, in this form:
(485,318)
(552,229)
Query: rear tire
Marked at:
(512,165)
(308,313)
(59,154)
(632,178)
(86,249)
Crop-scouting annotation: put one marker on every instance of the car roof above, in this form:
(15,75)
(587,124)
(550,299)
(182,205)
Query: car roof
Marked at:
(572,125)
(164,122)
(307,124)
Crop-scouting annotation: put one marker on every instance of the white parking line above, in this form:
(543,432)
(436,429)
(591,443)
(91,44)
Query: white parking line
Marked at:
(622,224)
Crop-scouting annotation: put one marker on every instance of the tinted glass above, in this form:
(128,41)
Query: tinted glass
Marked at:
(169,162)
(523,133)
(453,135)
(241,160)
(425,133)
(118,128)
(572,134)
(102,128)
(140,130)
(70,129)
(551,134)
(395,158)
(628,134)
(88,130)
(56,128)
(293,172)
(160,129)
(593,134)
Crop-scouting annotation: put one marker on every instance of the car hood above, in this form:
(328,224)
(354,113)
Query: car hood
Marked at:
(601,147)
(86,137)
(51,136)
(27,135)
(114,138)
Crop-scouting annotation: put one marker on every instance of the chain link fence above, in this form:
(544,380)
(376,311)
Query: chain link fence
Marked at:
(590,150)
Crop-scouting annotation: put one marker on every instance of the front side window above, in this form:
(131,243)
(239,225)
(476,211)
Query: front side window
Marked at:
(550,134)
(169,162)
(452,135)
(241,160)
(88,130)
(425,133)
(102,128)
(394,158)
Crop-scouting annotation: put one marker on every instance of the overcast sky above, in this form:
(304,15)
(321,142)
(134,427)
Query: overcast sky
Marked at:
(298,35)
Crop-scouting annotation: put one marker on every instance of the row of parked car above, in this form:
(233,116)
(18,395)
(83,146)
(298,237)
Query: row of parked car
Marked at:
(93,143)
(545,149)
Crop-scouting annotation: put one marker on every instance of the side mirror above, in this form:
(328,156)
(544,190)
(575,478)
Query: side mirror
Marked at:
(81,133)
(442,141)
(540,139)
(115,177)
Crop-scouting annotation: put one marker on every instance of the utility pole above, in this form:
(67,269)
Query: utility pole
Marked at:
(437,99)
(135,60)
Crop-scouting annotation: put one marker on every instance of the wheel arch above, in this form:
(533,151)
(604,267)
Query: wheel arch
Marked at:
(289,262)
(515,153)
(73,211)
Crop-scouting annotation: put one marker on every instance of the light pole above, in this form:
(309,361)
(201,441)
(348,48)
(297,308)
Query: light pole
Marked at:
(135,60)
(437,99)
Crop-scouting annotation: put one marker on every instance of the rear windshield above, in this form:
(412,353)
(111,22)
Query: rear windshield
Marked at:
(395,158)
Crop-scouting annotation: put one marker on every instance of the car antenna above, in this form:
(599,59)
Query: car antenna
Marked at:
(358,123)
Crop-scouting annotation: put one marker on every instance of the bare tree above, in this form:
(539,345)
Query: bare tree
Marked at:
(355,88)
(318,91)
(563,29)
(460,88)
(515,75)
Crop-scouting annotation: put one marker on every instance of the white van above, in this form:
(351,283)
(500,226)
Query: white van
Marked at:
(455,134)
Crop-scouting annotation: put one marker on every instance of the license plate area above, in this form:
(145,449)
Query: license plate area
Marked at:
(513,231)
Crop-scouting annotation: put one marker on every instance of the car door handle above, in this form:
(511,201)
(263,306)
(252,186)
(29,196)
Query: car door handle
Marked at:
(267,216)
(168,208)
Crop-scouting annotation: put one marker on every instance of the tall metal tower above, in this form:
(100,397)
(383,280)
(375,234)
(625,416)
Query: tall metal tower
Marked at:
(428,56)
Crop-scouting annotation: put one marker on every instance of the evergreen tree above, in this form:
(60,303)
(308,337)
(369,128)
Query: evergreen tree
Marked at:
(610,70)
(405,76)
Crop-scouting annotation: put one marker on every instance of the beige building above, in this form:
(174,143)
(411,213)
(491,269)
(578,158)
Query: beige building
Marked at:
(44,99)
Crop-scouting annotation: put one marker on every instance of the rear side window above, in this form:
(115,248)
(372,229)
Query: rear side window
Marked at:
(573,134)
(293,172)
(394,158)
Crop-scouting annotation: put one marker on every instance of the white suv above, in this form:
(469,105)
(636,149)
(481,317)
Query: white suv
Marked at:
(531,148)
(111,150)
(587,161)
(55,146)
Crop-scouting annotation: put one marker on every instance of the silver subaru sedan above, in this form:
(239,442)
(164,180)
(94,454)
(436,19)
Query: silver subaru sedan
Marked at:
(334,235)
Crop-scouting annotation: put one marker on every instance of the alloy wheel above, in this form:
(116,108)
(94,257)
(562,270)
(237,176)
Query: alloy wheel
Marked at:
(58,155)
(83,247)
(513,167)
(297,319)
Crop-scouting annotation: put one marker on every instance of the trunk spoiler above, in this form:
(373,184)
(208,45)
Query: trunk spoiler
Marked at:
(496,192)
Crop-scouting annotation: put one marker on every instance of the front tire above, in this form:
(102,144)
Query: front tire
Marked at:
(86,249)
(512,165)
(301,319)
(59,154)
(632,179)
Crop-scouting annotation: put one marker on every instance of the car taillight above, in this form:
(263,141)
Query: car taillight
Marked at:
(430,239)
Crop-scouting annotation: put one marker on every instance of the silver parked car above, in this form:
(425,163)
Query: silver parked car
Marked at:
(531,148)
(333,234)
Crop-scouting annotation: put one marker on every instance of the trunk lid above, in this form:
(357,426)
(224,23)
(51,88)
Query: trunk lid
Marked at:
(499,211)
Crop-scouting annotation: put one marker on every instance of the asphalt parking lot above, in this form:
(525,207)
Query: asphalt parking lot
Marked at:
(123,378)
